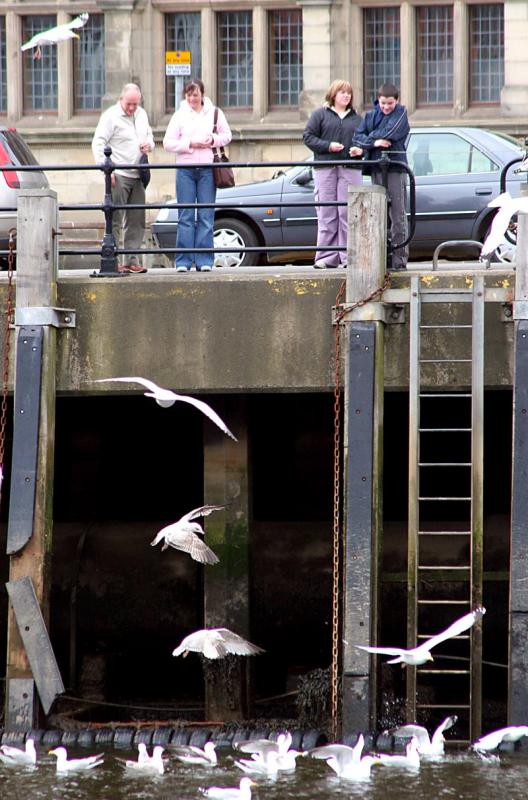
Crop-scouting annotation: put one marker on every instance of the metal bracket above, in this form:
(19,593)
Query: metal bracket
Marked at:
(389,313)
(34,635)
(45,315)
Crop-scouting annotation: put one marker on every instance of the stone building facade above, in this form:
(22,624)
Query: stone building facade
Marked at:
(266,62)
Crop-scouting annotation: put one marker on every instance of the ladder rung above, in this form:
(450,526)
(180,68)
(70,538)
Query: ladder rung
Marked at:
(445,360)
(444,464)
(442,327)
(444,394)
(445,498)
(443,567)
(443,603)
(444,430)
(443,705)
(444,672)
(444,533)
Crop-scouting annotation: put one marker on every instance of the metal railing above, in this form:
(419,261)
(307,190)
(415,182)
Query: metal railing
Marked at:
(109,251)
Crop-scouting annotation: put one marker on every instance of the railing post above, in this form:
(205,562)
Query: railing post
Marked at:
(518,672)
(108,246)
(363,434)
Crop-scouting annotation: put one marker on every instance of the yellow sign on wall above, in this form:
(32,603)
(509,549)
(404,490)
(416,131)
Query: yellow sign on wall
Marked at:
(177,62)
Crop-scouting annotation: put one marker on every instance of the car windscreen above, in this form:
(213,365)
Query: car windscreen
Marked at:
(19,148)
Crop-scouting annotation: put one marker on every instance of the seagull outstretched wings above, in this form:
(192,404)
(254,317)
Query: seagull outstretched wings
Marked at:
(508,206)
(60,33)
(421,654)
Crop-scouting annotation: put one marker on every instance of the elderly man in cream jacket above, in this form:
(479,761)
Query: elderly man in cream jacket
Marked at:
(125,127)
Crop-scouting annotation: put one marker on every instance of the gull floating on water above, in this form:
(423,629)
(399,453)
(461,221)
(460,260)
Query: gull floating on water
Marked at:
(74,764)
(410,759)
(421,654)
(433,746)
(261,749)
(147,764)
(54,35)
(347,761)
(216,643)
(190,754)
(231,793)
(166,398)
(262,766)
(14,756)
(508,206)
(183,535)
(492,740)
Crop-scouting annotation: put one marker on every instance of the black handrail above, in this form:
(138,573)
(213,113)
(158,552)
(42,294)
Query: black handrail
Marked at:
(109,251)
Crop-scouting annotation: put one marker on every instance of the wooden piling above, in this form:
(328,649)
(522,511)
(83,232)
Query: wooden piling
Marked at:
(226,585)
(36,286)
(363,442)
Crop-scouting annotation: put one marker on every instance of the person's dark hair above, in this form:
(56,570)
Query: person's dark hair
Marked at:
(388,90)
(192,85)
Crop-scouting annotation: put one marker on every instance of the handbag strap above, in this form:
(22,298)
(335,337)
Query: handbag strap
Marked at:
(218,150)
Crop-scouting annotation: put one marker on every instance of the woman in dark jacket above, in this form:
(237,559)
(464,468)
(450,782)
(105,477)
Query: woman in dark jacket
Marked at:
(329,134)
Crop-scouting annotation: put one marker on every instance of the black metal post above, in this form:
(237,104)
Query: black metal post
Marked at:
(108,267)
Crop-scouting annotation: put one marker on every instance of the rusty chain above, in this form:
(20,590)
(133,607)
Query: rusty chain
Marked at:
(341,312)
(8,319)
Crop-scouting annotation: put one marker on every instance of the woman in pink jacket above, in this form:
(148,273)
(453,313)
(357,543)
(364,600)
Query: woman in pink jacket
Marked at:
(190,135)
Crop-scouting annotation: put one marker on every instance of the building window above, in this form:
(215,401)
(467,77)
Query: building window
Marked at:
(435,55)
(3,78)
(40,74)
(89,65)
(235,59)
(381,46)
(486,42)
(182,32)
(285,57)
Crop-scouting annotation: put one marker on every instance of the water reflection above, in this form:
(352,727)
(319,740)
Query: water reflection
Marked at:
(457,776)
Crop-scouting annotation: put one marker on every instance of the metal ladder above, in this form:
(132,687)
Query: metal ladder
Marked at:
(445,517)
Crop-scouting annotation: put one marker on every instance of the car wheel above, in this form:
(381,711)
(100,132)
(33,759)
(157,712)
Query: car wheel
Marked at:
(230,232)
(505,252)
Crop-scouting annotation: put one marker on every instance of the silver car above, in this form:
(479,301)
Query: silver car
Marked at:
(13,153)
(457,173)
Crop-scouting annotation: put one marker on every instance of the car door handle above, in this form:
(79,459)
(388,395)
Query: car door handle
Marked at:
(488,190)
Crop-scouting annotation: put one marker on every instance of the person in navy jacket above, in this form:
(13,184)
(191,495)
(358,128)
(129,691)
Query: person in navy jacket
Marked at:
(329,135)
(386,129)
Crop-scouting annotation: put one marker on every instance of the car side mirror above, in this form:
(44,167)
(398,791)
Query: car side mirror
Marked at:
(304,177)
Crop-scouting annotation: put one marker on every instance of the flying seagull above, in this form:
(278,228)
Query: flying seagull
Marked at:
(216,643)
(74,764)
(17,757)
(347,761)
(183,535)
(190,754)
(166,398)
(508,206)
(433,746)
(268,766)
(230,793)
(421,654)
(58,34)
(492,740)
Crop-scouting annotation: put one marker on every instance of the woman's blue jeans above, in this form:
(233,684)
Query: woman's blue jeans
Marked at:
(195,227)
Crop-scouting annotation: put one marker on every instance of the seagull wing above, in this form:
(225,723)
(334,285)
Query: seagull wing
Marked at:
(208,411)
(418,731)
(259,746)
(236,644)
(190,543)
(343,754)
(202,511)
(78,22)
(387,651)
(150,385)
(458,627)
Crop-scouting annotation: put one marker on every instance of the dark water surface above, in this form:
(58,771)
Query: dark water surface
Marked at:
(462,777)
